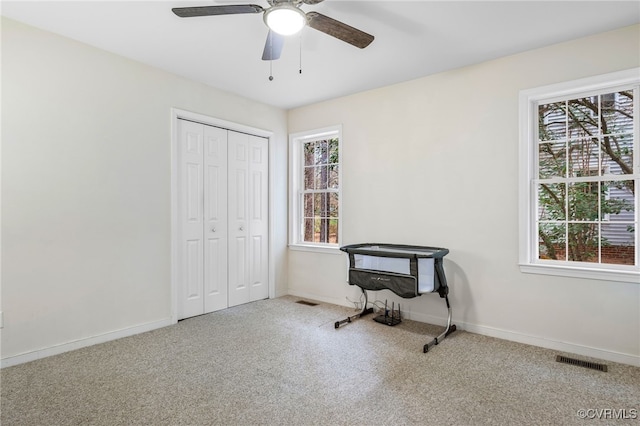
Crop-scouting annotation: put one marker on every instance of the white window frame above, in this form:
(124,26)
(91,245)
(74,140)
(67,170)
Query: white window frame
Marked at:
(528,157)
(296,167)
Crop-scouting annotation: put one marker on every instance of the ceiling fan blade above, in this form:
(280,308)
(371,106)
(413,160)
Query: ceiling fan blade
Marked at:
(312,1)
(339,30)
(273,46)
(188,12)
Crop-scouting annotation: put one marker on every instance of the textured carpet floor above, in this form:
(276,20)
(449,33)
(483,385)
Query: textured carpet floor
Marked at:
(277,362)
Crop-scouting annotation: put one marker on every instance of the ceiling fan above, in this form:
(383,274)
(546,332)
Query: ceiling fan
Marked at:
(284,17)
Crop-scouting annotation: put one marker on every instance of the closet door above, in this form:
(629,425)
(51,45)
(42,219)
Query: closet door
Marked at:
(248,218)
(238,149)
(202,183)
(223,218)
(191,222)
(215,219)
(258,216)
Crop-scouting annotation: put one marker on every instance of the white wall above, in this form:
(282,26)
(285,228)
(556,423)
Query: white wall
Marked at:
(86,199)
(434,162)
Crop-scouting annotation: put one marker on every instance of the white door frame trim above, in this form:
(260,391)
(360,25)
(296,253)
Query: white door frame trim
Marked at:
(229,125)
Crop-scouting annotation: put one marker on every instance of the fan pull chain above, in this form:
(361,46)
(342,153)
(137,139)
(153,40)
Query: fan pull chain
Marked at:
(270,57)
(300,70)
(271,69)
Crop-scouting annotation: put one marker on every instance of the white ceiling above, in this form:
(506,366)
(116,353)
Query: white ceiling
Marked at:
(412,39)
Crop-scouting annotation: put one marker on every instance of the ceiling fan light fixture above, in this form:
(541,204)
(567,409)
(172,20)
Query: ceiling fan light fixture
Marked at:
(285,19)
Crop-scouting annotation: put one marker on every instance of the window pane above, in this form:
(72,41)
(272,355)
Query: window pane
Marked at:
(312,230)
(582,242)
(316,230)
(308,178)
(333,177)
(583,157)
(321,205)
(322,230)
(552,121)
(308,230)
(309,153)
(581,194)
(333,151)
(618,243)
(552,160)
(322,152)
(551,241)
(321,177)
(617,112)
(318,184)
(308,205)
(320,222)
(583,201)
(551,201)
(333,204)
(583,117)
(617,154)
(333,231)
(618,201)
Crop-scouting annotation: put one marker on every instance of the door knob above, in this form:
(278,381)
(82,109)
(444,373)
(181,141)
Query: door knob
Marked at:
(213,229)
(241,228)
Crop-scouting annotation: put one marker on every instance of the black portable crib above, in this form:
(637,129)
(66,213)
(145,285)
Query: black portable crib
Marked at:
(408,271)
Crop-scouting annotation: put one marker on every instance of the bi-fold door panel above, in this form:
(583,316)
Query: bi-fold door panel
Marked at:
(191,222)
(258,215)
(238,225)
(215,215)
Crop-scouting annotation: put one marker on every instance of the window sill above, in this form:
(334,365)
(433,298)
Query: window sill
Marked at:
(316,248)
(625,276)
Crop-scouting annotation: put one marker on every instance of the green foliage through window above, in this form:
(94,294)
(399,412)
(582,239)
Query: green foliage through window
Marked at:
(586,187)
(320,191)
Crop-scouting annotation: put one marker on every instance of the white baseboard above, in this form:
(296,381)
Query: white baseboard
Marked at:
(542,342)
(513,336)
(82,343)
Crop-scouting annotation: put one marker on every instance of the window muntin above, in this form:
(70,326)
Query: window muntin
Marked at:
(581,172)
(581,140)
(315,189)
(320,188)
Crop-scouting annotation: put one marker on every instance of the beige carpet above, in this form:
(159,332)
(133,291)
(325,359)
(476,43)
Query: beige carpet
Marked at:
(277,362)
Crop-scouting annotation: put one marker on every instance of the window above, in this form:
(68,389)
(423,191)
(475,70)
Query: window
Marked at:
(579,176)
(315,189)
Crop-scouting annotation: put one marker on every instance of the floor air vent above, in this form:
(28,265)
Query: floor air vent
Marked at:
(580,363)
(304,302)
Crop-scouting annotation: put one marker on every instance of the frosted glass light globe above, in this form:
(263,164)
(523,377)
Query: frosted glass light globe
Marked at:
(285,19)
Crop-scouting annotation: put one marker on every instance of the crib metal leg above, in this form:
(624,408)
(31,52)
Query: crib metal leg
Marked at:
(362,313)
(450,329)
